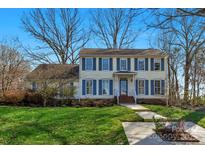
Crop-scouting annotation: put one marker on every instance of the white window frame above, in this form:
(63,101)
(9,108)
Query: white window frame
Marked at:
(139,64)
(139,87)
(123,59)
(108,64)
(86,64)
(159,87)
(157,61)
(89,80)
(108,86)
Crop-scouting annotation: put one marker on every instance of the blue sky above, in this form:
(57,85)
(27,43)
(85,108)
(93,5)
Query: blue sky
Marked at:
(10,26)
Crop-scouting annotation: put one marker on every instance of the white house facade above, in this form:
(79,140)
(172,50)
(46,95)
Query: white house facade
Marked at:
(130,75)
(109,73)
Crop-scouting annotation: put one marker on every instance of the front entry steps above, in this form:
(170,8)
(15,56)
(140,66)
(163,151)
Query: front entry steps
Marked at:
(126,99)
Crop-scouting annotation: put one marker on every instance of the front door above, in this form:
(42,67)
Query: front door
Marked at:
(123,87)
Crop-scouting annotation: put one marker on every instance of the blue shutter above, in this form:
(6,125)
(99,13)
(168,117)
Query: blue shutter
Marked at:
(94,63)
(146,64)
(162,87)
(136,64)
(94,87)
(152,87)
(136,87)
(118,64)
(110,64)
(162,64)
(100,87)
(111,87)
(128,63)
(152,64)
(146,87)
(83,64)
(100,64)
(83,87)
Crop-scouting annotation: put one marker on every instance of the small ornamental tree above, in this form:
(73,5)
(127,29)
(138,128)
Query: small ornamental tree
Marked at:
(47,92)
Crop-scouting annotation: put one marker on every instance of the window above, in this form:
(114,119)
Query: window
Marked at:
(123,64)
(141,86)
(157,88)
(71,84)
(157,64)
(89,85)
(88,63)
(105,64)
(34,86)
(105,87)
(141,63)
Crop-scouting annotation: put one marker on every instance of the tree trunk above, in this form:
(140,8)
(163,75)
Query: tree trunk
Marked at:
(186,81)
(169,81)
(44,102)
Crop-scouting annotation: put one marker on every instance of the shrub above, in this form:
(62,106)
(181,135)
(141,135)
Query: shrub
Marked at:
(158,124)
(13,97)
(33,99)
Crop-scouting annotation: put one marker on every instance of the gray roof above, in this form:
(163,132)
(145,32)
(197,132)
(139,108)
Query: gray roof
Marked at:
(121,52)
(54,71)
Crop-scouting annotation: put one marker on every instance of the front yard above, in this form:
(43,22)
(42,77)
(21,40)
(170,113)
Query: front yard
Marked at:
(177,113)
(64,125)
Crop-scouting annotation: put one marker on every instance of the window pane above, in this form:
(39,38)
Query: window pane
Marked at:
(157,87)
(105,87)
(88,63)
(123,64)
(105,64)
(157,65)
(141,87)
(141,65)
(89,87)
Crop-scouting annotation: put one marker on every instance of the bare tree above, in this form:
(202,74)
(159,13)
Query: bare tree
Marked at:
(190,37)
(59,30)
(115,28)
(166,42)
(13,67)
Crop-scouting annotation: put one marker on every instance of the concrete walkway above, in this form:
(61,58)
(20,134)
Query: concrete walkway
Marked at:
(142,133)
(136,107)
(143,112)
(148,115)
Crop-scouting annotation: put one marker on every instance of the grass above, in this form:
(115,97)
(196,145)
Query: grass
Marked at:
(64,125)
(177,113)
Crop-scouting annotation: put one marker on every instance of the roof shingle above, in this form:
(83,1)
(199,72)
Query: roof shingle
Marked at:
(121,52)
(54,71)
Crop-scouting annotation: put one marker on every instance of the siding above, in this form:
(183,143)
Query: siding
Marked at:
(146,75)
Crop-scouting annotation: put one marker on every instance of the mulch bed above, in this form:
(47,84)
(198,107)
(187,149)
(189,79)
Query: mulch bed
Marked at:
(174,136)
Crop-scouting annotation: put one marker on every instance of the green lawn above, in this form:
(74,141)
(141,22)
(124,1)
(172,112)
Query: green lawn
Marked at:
(177,113)
(64,125)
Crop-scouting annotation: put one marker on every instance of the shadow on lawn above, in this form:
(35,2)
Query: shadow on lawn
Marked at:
(26,130)
(194,116)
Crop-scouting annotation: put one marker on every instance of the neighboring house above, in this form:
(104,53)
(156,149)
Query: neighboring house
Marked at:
(130,75)
(55,75)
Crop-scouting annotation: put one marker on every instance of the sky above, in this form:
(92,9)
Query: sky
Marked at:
(10,27)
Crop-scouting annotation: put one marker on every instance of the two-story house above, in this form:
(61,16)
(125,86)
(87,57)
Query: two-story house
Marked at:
(130,75)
